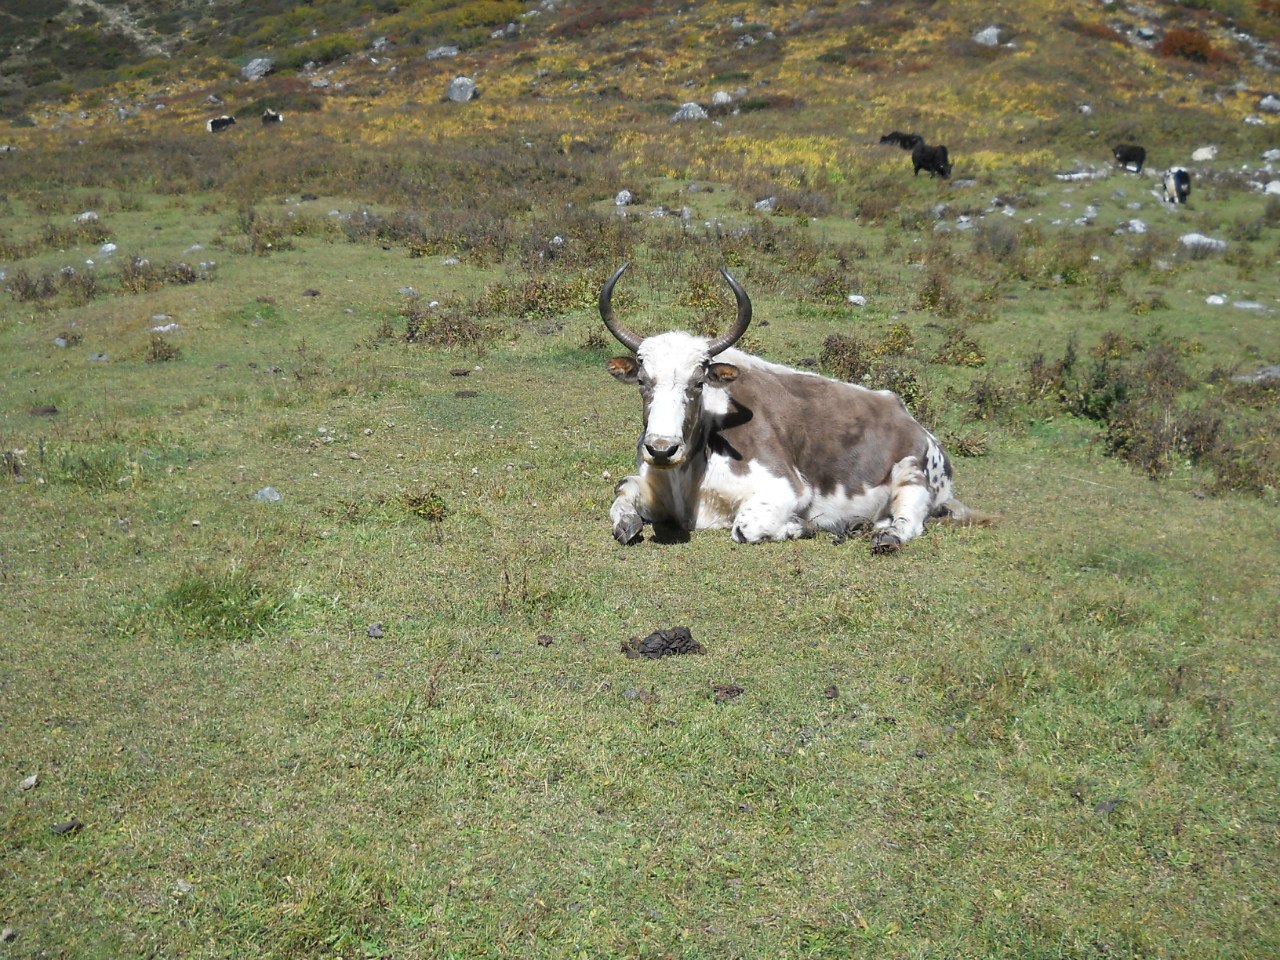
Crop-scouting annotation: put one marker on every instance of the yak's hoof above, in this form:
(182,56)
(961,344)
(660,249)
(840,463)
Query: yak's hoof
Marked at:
(627,531)
(885,541)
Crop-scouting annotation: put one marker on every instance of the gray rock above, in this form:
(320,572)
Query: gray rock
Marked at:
(1269,104)
(1266,374)
(257,68)
(1198,241)
(462,89)
(623,198)
(988,36)
(439,53)
(89,216)
(268,495)
(30,783)
(689,111)
(767,204)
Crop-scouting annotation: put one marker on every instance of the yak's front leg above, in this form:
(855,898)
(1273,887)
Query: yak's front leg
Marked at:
(772,514)
(910,501)
(625,512)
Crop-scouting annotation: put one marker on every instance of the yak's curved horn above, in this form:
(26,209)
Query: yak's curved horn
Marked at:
(628,339)
(740,325)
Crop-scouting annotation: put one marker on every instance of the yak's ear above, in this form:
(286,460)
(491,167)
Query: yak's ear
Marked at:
(623,368)
(722,372)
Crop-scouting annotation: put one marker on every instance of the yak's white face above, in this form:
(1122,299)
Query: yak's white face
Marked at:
(678,382)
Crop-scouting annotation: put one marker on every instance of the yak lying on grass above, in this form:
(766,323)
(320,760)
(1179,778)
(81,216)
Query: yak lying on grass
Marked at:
(771,453)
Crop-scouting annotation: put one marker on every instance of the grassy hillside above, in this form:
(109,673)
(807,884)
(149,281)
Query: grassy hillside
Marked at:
(388,714)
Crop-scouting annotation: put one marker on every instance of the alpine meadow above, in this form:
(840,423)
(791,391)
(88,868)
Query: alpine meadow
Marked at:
(317,637)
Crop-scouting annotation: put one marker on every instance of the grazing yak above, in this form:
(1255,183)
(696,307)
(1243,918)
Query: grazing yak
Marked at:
(1130,155)
(270,116)
(907,141)
(218,124)
(1176,185)
(766,451)
(932,159)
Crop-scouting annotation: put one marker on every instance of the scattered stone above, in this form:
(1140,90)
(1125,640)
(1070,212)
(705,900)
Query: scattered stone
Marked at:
(165,328)
(857,299)
(461,90)
(8,935)
(831,692)
(1272,188)
(375,630)
(68,826)
(89,216)
(107,249)
(1271,156)
(1248,305)
(689,111)
(545,640)
(1215,300)
(724,692)
(1269,104)
(1254,120)
(98,357)
(1267,374)
(662,643)
(439,53)
(987,37)
(1203,154)
(1198,241)
(30,783)
(721,98)
(623,198)
(767,205)
(257,68)
(182,887)
(268,495)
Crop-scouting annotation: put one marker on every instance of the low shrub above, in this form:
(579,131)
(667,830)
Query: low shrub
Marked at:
(1187,43)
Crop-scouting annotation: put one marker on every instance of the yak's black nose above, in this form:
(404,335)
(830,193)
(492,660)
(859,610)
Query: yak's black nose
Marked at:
(662,450)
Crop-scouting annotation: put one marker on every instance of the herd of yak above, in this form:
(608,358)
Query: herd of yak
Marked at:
(1175,184)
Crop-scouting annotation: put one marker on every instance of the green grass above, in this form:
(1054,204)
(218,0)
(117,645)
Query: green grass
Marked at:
(1054,737)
